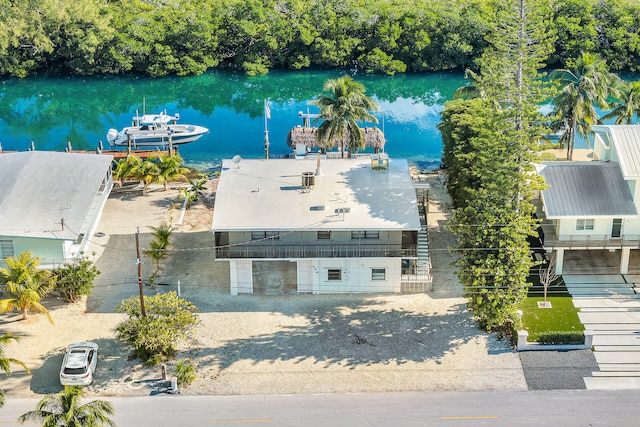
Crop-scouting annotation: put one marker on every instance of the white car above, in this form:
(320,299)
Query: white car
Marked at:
(79,364)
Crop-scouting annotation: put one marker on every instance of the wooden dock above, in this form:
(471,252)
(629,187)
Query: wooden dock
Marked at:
(117,154)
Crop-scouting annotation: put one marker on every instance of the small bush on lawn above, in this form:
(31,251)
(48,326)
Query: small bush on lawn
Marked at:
(561,337)
(185,372)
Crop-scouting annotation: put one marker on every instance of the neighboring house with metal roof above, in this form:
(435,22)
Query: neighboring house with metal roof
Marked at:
(354,228)
(51,202)
(595,205)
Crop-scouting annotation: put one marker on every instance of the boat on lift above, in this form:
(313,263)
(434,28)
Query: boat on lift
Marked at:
(155,130)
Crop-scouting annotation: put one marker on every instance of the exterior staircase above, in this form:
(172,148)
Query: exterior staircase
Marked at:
(610,309)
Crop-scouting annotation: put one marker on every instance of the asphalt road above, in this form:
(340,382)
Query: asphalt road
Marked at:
(532,408)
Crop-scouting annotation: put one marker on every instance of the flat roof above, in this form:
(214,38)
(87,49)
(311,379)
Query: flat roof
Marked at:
(586,189)
(39,188)
(268,195)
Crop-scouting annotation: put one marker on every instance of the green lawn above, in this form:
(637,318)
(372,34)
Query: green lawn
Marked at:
(563,316)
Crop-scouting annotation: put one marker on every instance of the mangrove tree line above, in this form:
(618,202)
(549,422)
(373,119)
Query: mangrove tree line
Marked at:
(187,37)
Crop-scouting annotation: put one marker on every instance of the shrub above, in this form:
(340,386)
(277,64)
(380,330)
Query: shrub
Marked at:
(169,320)
(76,280)
(546,156)
(561,337)
(185,372)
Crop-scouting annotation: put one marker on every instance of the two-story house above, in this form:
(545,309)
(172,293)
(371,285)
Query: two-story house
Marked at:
(51,202)
(353,228)
(594,205)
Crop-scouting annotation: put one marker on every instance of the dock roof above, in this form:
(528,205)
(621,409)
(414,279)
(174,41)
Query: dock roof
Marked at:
(269,195)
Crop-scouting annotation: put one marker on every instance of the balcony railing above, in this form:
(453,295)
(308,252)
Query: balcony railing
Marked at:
(315,251)
(593,241)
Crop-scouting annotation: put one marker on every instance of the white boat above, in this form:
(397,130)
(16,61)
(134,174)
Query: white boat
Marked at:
(155,130)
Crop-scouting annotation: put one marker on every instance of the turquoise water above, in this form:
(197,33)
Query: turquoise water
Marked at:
(52,111)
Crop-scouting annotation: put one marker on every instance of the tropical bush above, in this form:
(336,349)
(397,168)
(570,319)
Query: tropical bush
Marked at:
(169,321)
(76,280)
(185,372)
(25,284)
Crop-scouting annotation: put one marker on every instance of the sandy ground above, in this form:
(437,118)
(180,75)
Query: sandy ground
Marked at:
(262,344)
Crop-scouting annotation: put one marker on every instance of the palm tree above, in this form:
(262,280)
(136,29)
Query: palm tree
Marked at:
(147,172)
(198,186)
(5,362)
(582,90)
(188,196)
(341,111)
(162,233)
(26,284)
(627,106)
(124,168)
(170,167)
(65,409)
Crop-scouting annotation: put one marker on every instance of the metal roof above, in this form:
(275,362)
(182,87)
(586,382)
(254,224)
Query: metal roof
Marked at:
(268,195)
(625,141)
(39,188)
(586,189)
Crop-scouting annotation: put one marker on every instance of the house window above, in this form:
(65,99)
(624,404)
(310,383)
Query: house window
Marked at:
(334,274)
(262,235)
(378,274)
(357,235)
(6,248)
(324,235)
(584,224)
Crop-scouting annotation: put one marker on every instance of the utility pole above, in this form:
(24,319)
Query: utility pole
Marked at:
(140,282)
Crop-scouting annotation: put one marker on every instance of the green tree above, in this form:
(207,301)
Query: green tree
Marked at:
(188,196)
(125,168)
(627,106)
(65,409)
(169,321)
(76,280)
(147,172)
(159,247)
(197,187)
(341,112)
(25,284)
(5,362)
(581,90)
(170,168)
(488,142)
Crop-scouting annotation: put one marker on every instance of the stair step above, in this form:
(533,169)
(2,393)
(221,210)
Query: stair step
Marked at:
(617,348)
(603,383)
(611,327)
(619,367)
(618,357)
(620,340)
(615,374)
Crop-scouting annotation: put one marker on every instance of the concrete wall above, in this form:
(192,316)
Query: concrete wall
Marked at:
(311,276)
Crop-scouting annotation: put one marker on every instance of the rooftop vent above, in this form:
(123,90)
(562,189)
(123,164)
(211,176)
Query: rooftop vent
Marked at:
(380,162)
(308,179)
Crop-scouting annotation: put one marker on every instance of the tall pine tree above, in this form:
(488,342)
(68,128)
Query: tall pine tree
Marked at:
(488,144)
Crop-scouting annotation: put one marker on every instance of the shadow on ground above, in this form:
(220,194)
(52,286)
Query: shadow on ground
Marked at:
(364,337)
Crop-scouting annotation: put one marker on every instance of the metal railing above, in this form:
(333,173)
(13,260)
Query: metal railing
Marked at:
(315,251)
(588,240)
